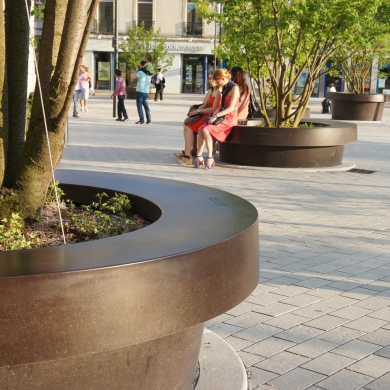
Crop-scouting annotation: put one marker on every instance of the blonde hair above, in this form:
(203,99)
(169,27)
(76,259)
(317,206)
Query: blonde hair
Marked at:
(221,74)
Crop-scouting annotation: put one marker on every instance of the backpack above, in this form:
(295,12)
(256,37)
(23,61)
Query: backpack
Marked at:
(154,79)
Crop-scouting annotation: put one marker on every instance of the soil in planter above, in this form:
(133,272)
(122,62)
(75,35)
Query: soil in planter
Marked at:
(81,223)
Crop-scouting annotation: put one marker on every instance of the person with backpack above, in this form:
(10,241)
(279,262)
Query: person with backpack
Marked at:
(159,84)
(142,94)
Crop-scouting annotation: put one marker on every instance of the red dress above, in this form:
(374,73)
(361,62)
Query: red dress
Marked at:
(221,131)
(195,126)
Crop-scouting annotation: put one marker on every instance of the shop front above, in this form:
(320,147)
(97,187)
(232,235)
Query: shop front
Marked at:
(195,69)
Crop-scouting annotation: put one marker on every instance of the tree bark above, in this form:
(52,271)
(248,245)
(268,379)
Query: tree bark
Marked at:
(17,50)
(3,98)
(34,174)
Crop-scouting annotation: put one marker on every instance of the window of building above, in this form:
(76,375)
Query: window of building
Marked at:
(194,24)
(145,13)
(104,21)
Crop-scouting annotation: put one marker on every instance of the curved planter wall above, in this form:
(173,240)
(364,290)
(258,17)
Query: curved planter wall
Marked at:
(126,312)
(357,107)
(288,148)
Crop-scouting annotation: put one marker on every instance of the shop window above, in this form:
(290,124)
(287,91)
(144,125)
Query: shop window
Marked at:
(195,70)
(194,24)
(145,14)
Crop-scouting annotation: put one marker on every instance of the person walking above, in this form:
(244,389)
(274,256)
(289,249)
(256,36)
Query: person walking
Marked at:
(84,79)
(120,91)
(160,85)
(77,95)
(142,94)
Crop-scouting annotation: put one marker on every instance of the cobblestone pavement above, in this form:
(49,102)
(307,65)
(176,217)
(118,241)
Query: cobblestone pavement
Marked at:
(320,317)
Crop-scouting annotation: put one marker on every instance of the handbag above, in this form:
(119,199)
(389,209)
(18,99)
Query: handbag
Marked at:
(219,120)
(194,118)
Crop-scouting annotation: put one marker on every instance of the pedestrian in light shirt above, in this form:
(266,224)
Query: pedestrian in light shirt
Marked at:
(120,91)
(142,93)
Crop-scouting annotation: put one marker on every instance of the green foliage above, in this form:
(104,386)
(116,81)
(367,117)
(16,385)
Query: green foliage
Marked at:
(51,195)
(281,39)
(38,11)
(9,203)
(12,236)
(142,42)
(93,221)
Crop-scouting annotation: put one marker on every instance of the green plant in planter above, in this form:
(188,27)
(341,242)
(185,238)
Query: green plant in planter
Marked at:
(281,40)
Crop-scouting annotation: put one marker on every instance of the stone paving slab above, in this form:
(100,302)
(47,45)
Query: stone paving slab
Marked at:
(320,318)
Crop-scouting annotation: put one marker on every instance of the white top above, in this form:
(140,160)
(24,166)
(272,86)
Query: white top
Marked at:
(332,89)
(159,77)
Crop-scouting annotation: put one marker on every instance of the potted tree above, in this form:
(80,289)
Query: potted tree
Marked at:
(142,42)
(358,72)
(108,313)
(284,41)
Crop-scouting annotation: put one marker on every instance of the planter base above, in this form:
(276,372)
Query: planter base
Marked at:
(317,147)
(156,364)
(281,157)
(357,107)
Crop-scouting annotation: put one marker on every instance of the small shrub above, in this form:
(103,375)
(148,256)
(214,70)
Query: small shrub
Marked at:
(9,203)
(51,195)
(12,236)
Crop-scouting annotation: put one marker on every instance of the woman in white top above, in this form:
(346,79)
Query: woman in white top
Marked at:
(160,85)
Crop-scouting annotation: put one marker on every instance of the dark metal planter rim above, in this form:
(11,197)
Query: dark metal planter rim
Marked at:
(169,235)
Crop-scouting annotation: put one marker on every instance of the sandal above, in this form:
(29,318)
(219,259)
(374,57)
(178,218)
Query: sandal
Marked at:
(180,155)
(188,160)
(207,164)
(199,162)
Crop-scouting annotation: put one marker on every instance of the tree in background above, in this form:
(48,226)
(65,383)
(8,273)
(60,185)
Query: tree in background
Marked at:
(280,40)
(142,42)
(24,156)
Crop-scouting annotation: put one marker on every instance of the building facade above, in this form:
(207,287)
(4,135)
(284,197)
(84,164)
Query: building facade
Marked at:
(189,39)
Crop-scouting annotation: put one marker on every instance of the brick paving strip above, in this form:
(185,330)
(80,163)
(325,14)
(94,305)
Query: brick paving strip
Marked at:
(320,317)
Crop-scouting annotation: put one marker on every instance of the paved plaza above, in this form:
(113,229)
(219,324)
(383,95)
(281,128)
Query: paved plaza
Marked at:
(320,317)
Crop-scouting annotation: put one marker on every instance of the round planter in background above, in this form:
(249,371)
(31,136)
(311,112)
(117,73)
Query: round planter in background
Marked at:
(126,312)
(357,107)
(317,147)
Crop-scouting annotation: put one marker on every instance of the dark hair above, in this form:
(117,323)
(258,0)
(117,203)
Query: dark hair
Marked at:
(238,76)
(118,72)
(143,63)
(149,58)
(159,69)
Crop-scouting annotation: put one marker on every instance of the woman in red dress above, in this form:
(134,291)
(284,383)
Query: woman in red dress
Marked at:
(209,132)
(211,103)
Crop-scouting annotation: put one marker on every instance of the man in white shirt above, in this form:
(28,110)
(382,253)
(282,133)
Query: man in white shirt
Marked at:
(160,85)
(326,102)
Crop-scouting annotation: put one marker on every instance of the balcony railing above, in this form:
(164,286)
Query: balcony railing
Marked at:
(103,26)
(148,24)
(191,29)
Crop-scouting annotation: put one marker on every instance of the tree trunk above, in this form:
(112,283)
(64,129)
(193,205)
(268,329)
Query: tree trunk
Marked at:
(3,98)
(17,50)
(34,174)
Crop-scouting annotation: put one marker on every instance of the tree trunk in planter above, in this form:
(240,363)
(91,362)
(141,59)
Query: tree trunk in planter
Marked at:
(356,107)
(64,54)
(17,55)
(3,99)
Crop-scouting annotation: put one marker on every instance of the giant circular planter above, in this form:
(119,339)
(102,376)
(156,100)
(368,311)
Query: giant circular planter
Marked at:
(126,312)
(316,147)
(357,107)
